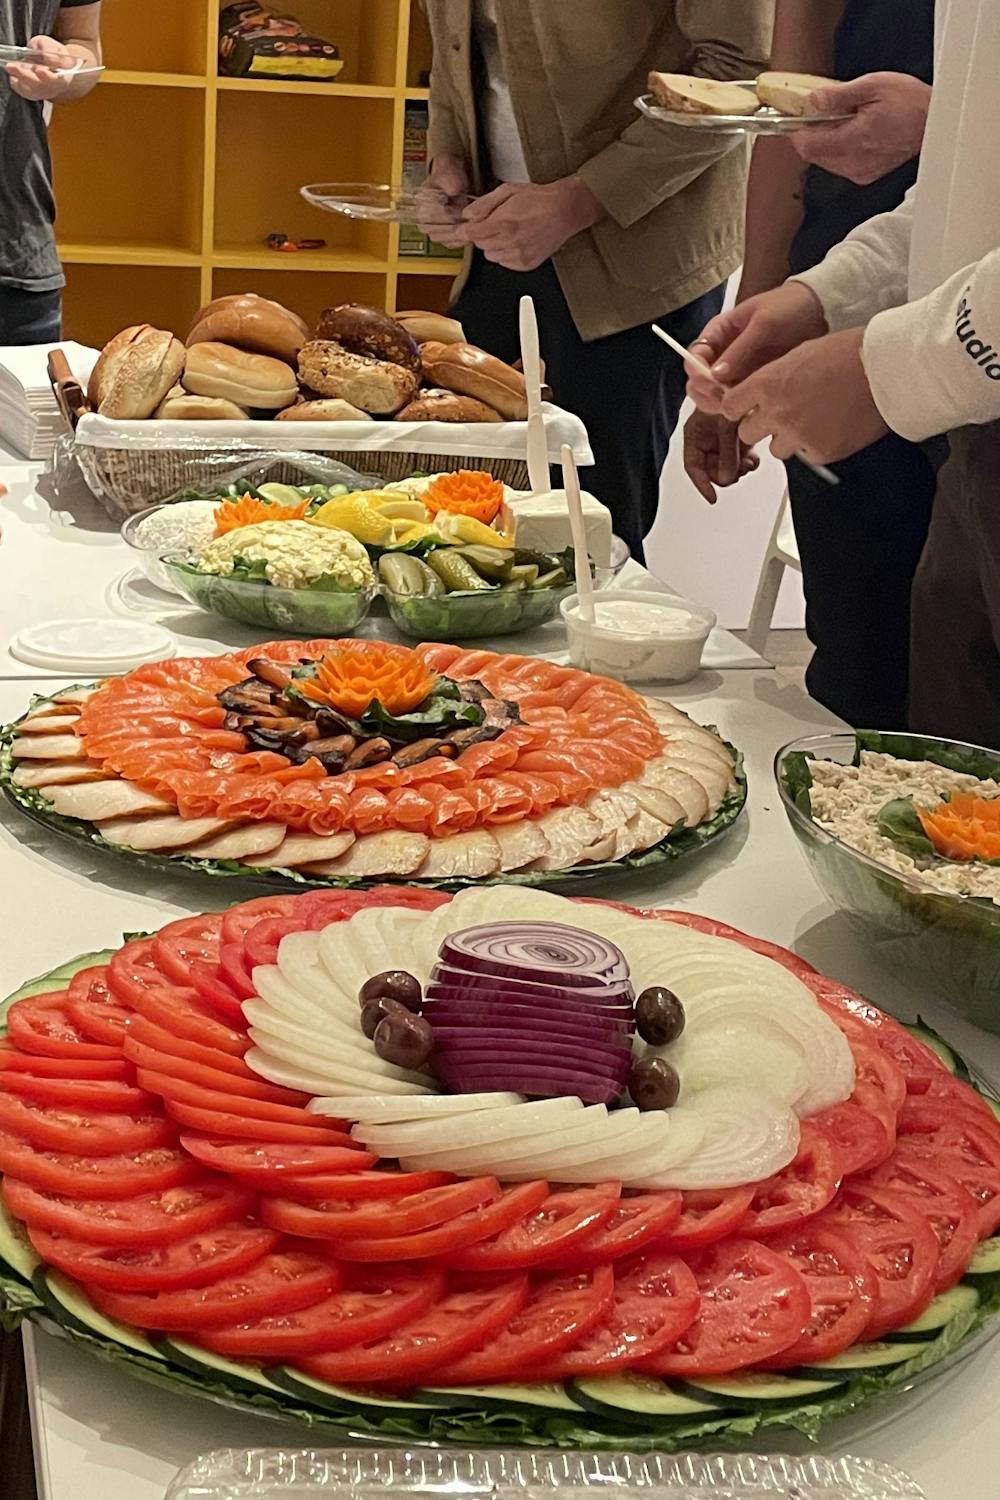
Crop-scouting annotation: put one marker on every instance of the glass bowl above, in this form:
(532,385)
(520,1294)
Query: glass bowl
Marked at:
(952,940)
(480,613)
(307,612)
(148,557)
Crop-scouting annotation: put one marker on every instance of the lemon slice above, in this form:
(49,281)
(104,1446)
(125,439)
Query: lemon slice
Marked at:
(355,514)
(470,532)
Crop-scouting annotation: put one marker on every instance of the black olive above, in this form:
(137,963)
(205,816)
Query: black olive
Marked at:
(377,1010)
(404,1039)
(393,984)
(654,1084)
(659,1016)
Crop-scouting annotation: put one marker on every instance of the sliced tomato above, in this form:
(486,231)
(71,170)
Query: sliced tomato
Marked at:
(161,1040)
(346,1219)
(901,1248)
(177,944)
(238,920)
(132,971)
(561,1312)
(842,1292)
(656,1300)
(466,1229)
(961,1146)
(754,1305)
(221,1080)
(182,1012)
(172,1088)
(381,1299)
(12,1061)
(105,1094)
(234,973)
(194,1262)
(261,943)
(267,1165)
(283,1282)
(797,1193)
(91,1006)
(707,1216)
(861,1140)
(161,1218)
(879,1085)
(949,1209)
(220,1123)
(217,993)
(562,1221)
(321,909)
(635,1222)
(463,1319)
(917,1063)
(952,1094)
(357,1186)
(85,1131)
(41,1024)
(96,1176)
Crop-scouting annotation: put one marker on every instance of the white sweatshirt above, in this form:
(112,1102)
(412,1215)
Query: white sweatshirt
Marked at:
(926,278)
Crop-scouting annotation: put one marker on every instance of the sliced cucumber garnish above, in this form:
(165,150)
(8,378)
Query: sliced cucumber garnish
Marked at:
(864,1358)
(960,1299)
(68,1306)
(15,1247)
(986,1261)
(639,1399)
(500,1398)
(759,1388)
(239,1374)
(940,1049)
(341,1398)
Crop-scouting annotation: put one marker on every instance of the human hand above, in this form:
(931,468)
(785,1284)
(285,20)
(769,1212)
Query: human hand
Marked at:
(714,454)
(750,335)
(887,130)
(521,225)
(32,81)
(814,401)
(441,199)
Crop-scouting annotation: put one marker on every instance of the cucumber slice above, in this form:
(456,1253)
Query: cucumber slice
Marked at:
(994,1104)
(639,1399)
(238,1374)
(67,1305)
(759,1389)
(500,1398)
(961,1299)
(343,1399)
(941,1049)
(986,1261)
(15,1247)
(864,1358)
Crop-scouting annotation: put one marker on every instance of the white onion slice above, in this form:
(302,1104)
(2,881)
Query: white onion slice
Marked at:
(385,1109)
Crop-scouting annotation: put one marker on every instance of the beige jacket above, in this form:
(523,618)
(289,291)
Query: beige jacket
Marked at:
(674,198)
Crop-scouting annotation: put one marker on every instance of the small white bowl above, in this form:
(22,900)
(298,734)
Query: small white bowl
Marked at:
(638,636)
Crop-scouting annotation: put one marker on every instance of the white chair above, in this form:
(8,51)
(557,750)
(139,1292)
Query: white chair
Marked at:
(782,552)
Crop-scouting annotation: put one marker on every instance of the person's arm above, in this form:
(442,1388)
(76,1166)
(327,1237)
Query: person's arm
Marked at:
(867,273)
(644,166)
(76,38)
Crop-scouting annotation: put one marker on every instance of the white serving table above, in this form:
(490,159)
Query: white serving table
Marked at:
(102,1435)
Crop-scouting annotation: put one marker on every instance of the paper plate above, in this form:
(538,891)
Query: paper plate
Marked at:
(89,645)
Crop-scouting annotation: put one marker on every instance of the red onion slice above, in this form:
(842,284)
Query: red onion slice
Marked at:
(482,983)
(555,1000)
(533,950)
(527,1020)
(609,1061)
(544,1083)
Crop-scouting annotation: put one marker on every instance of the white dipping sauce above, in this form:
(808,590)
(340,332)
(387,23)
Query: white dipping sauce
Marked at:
(628,616)
(638,637)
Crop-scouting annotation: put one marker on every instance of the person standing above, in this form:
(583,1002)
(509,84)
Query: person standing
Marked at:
(861,544)
(67,31)
(609,220)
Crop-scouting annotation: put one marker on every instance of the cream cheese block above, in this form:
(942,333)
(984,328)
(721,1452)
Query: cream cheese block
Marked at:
(542,523)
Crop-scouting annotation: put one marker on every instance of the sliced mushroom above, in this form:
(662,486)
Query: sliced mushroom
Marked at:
(412,755)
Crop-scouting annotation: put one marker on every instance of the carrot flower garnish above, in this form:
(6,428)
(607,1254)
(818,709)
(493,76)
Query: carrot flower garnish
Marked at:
(350,679)
(469,492)
(247,511)
(964,827)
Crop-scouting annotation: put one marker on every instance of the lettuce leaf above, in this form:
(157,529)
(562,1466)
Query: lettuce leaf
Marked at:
(898,820)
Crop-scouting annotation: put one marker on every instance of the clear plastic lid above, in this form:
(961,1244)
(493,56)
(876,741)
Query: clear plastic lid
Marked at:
(37,57)
(91,645)
(430,209)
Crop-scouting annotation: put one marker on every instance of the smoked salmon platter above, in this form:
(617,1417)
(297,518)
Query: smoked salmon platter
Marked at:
(493,1169)
(339,762)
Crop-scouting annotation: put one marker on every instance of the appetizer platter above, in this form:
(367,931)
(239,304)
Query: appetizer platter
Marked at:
(341,761)
(772,104)
(497,1168)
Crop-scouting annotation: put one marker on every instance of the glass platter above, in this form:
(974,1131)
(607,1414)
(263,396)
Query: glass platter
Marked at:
(765,121)
(386,204)
(36,57)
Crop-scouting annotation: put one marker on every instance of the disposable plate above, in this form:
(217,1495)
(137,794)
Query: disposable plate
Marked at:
(37,57)
(765,121)
(430,209)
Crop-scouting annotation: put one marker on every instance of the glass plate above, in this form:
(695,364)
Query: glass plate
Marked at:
(287,1474)
(36,57)
(766,121)
(430,209)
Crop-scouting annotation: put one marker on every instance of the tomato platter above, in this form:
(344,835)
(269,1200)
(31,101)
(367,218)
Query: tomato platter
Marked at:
(172,1203)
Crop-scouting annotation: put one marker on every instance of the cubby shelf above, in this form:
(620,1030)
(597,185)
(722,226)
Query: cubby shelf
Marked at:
(169,177)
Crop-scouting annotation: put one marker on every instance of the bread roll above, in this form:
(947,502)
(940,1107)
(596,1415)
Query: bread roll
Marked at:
(471,372)
(252,323)
(446,406)
(179,406)
(249,380)
(323,411)
(373,384)
(701,96)
(791,93)
(141,376)
(364,330)
(100,377)
(428,326)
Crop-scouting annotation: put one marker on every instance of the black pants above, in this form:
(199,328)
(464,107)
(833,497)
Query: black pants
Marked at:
(860,545)
(29,317)
(626,389)
(956,599)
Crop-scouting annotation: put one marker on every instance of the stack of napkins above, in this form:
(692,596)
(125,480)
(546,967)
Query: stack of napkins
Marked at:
(30,420)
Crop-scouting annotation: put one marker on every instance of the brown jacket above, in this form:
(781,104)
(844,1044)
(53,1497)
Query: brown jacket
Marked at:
(674,198)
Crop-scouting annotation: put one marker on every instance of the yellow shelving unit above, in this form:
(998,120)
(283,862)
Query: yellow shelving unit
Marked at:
(169,178)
